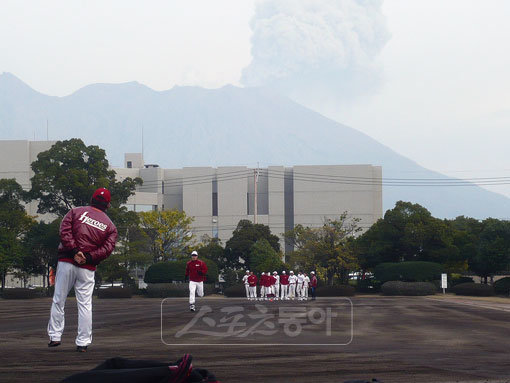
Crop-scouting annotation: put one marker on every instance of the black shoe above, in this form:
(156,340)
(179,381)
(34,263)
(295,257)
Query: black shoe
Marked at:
(191,307)
(81,348)
(54,343)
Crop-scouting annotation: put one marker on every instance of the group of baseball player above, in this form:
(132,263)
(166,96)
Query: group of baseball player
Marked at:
(280,287)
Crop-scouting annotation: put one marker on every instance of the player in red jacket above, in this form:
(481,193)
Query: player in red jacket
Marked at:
(87,237)
(252,281)
(313,284)
(196,271)
(284,285)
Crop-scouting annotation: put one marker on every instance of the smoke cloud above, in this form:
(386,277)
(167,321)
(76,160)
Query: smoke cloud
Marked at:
(313,50)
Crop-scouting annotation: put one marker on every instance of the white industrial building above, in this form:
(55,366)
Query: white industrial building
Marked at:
(218,198)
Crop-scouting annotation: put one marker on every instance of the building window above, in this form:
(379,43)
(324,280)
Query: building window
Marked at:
(129,164)
(215,198)
(215,204)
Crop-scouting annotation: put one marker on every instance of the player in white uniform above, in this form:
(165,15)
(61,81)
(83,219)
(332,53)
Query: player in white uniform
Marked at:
(247,284)
(276,286)
(299,285)
(292,285)
(284,286)
(306,283)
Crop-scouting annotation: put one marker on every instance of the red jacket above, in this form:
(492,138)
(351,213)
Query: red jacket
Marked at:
(262,280)
(89,230)
(284,279)
(196,270)
(271,281)
(313,282)
(252,280)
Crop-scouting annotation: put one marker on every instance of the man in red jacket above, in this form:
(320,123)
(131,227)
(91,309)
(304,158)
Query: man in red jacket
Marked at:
(313,284)
(196,271)
(87,237)
(252,281)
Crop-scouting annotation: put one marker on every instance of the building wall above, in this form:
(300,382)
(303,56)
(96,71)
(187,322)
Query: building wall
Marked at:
(285,196)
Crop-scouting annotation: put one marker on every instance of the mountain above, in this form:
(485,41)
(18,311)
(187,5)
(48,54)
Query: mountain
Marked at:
(192,126)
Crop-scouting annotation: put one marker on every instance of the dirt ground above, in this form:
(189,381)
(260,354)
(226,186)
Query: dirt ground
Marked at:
(395,339)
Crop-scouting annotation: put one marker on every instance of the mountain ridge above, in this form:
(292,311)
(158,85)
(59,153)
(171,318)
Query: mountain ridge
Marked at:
(194,126)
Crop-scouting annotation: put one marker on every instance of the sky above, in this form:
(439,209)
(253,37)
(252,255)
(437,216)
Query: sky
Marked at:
(429,79)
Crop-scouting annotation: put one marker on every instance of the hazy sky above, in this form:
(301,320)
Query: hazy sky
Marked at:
(430,79)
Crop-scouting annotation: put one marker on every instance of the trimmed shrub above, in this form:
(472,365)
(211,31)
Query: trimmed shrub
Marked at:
(408,271)
(408,288)
(474,289)
(168,272)
(19,293)
(115,292)
(502,286)
(335,291)
(369,285)
(173,290)
(165,272)
(236,291)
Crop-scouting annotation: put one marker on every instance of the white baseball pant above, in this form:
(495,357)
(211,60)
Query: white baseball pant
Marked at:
(253,292)
(284,291)
(197,287)
(69,276)
(292,290)
(276,290)
(247,287)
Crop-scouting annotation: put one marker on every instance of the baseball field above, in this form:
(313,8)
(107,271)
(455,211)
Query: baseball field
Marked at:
(393,339)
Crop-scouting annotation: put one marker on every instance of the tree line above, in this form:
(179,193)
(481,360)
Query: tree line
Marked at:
(66,175)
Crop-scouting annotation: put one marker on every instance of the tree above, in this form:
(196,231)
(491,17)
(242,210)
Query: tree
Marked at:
(211,248)
(14,224)
(493,253)
(169,231)
(67,174)
(408,232)
(41,244)
(264,258)
(329,247)
(237,248)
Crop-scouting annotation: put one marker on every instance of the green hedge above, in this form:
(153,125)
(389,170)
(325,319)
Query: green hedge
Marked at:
(115,292)
(168,272)
(236,291)
(408,288)
(368,285)
(474,289)
(502,286)
(458,281)
(408,271)
(335,291)
(19,293)
(173,290)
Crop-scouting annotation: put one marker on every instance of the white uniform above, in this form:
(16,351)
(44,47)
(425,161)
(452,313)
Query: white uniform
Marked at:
(299,285)
(292,286)
(305,286)
(246,285)
(69,275)
(276,286)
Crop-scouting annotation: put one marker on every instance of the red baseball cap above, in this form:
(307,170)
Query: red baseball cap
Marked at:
(102,194)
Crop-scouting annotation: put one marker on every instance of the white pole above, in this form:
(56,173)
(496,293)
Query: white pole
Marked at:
(255,204)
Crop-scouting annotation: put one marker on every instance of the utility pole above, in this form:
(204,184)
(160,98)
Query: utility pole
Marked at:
(256,179)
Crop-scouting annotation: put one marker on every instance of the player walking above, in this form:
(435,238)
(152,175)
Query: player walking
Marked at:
(262,282)
(306,282)
(292,285)
(247,284)
(313,284)
(276,286)
(196,271)
(284,286)
(252,281)
(87,237)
